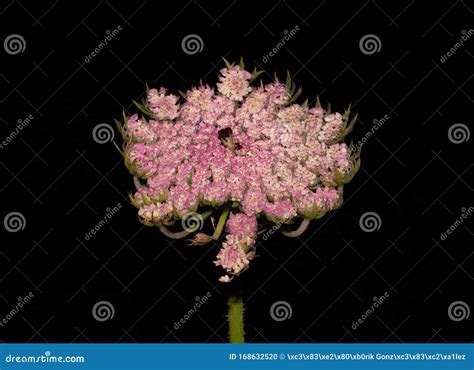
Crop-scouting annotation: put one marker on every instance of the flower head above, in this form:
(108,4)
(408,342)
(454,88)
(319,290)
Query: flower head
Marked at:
(251,150)
(164,106)
(232,256)
(234,83)
(241,225)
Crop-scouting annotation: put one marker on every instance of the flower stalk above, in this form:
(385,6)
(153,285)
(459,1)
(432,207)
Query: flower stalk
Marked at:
(221,223)
(236,315)
(300,230)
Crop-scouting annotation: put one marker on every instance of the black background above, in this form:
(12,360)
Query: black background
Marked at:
(62,181)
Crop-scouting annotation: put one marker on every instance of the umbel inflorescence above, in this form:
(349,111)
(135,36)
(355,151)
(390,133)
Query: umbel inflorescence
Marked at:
(247,153)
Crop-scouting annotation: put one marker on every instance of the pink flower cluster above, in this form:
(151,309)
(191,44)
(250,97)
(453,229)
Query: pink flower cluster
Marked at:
(247,148)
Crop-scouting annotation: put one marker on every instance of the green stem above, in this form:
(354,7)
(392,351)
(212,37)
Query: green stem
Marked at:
(206,214)
(236,316)
(221,223)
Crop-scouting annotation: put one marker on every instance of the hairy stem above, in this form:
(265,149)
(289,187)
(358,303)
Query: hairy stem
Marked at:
(300,230)
(221,223)
(236,315)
